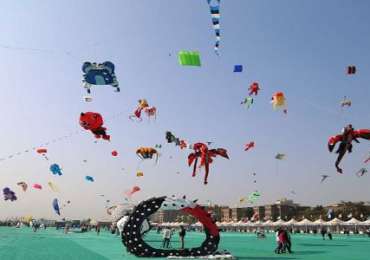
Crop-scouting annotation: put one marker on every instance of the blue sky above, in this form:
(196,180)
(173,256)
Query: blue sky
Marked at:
(299,47)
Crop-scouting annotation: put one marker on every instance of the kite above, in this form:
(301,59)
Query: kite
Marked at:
(94,122)
(254,196)
(132,191)
(249,146)
(43,152)
(345,139)
(278,101)
(89,178)
(23,185)
(323,178)
(201,151)
(56,206)
(189,58)
(171,138)
(254,88)
(238,68)
(351,70)
(110,209)
(248,101)
(147,153)
(139,174)
(53,187)
(88,99)
(361,172)
(367,160)
(159,146)
(345,102)
(37,186)
(55,169)
(114,153)
(9,194)
(280,156)
(133,233)
(143,106)
(214,7)
(99,74)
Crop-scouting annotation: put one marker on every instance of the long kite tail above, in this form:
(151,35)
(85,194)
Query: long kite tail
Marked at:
(339,159)
(195,166)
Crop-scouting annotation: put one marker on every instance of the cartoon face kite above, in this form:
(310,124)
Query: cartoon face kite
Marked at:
(278,101)
(99,74)
(248,101)
(143,106)
(94,122)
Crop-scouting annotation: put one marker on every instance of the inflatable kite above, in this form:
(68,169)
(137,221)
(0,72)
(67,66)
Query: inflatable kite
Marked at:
(248,101)
(23,185)
(37,186)
(345,139)
(53,187)
(367,160)
(88,99)
(249,146)
(254,88)
(139,174)
(361,172)
(94,122)
(345,102)
(201,151)
(143,106)
(99,74)
(280,156)
(9,194)
(189,58)
(159,146)
(214,7)
(132,237)
(147,153)
(351,70)
(238,68)
(55,169)
(114,153)
(56,206)
(254,196)
(171,138)
(89,178)
(278,101)
(43,152)
(132,191)
(323,178)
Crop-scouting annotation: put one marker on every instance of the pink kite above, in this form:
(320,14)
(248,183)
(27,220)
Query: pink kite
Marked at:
(132,191)
(37,186)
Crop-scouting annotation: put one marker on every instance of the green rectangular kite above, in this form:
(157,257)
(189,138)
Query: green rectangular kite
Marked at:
(189,58)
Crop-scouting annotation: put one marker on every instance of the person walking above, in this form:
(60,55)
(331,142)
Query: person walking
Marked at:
(166,237)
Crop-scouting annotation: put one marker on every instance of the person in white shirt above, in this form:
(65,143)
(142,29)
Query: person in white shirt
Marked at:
(166,237)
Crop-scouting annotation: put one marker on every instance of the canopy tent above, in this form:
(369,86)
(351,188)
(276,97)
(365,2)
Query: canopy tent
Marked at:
(305,222)
(291,222)
(280,222)
(335,222)
(320,222)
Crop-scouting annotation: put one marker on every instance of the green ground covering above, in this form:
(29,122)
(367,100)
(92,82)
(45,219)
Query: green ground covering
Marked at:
(50,244)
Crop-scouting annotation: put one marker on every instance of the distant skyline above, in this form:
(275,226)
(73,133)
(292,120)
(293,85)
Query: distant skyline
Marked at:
(299,47)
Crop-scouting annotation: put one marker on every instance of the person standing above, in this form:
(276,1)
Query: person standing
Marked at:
(182,235)
(166,237)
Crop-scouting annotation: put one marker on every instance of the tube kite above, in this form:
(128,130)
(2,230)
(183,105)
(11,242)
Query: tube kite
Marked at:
(348,135)
(132,235)
(351,70)
(214,7)
(201,151)
(249,146)
(99,74)
(94,122)
(53,187)
(37,186)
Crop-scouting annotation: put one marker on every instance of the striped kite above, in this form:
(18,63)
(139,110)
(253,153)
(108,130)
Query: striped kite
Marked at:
(215,13)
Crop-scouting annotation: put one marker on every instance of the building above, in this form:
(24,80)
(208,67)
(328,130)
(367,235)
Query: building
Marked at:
(238,214)
(260,210)
(226,214)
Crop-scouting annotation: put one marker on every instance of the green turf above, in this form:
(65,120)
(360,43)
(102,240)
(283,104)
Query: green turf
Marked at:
(23,244)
